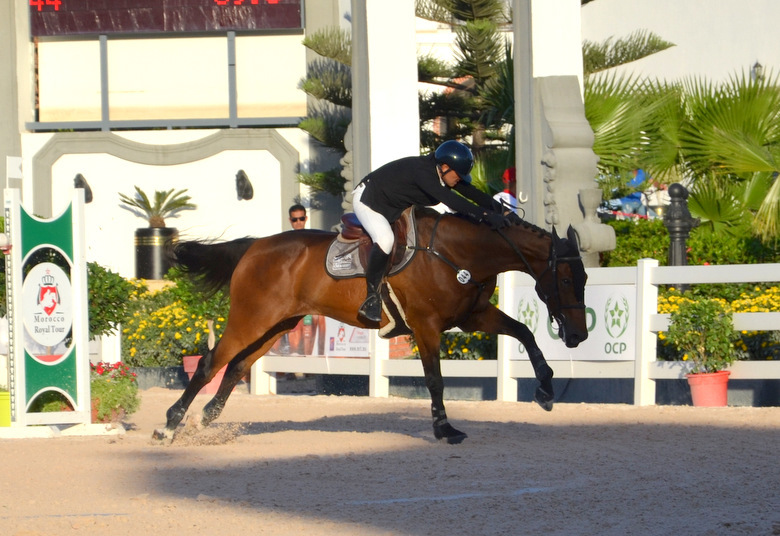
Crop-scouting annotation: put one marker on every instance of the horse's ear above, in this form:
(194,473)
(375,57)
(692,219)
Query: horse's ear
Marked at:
(555,234)
(571,234)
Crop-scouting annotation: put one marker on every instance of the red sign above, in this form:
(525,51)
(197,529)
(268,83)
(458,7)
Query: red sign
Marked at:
(95,17)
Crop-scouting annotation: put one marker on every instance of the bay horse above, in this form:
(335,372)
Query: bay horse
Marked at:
(276,280)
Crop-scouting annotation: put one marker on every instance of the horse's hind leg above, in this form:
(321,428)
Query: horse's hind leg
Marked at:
(239,367)
(236,370)
(176,412)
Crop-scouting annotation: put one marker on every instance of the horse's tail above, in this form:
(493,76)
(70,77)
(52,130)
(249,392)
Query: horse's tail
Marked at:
(210,264)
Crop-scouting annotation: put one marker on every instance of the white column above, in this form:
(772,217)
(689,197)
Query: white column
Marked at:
(384,79)
(548,42)
(385,111)
(506,387)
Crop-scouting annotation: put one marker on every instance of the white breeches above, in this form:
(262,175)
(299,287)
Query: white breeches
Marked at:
(377,227)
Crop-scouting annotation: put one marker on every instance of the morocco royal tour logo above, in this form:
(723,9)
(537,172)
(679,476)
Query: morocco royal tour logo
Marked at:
(48,313)
(48,294)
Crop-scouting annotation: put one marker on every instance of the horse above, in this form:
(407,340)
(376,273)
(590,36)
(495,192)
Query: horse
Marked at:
(275,280)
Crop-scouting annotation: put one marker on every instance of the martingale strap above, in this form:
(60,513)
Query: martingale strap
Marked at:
(462,274)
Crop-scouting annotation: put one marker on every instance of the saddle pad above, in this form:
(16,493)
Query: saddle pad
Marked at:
(342,260)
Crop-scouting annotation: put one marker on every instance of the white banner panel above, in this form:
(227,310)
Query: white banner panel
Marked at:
(343,340)
(610,309)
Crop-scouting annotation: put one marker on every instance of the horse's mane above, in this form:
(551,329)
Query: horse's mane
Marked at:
(427,211)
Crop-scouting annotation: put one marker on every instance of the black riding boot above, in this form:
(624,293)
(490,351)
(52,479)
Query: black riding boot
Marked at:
(377,264)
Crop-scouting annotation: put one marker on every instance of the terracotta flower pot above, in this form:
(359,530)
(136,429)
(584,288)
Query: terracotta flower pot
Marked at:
(709,389)
(191,365)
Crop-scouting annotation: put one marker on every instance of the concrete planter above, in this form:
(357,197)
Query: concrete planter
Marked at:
(167,377)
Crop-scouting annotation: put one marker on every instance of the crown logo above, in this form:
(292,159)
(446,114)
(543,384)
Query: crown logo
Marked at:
(48,280)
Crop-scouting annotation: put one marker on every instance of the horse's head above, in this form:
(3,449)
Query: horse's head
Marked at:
(562,287)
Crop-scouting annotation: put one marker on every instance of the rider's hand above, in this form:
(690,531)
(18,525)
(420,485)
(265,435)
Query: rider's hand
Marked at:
(496,221)
(513,218)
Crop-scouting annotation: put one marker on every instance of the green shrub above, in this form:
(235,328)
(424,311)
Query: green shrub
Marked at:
(637,239)
(167,324)
(109,300)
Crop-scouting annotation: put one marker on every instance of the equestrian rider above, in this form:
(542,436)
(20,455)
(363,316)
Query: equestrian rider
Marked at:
(386,192)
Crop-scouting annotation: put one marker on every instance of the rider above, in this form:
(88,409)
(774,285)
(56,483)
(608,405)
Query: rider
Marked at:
(386,192)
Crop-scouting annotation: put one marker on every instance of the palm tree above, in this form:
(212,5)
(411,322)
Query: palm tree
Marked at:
(734,135)
(479,52)
(167,203)
(329,81)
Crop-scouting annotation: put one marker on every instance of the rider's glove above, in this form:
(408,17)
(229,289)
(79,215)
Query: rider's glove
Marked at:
(513,218)
(496,221)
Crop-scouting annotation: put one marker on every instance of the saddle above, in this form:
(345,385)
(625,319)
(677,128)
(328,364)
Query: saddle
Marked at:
(348,253)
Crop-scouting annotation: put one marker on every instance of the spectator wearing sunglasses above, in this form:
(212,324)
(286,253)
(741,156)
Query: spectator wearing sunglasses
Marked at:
(298,217)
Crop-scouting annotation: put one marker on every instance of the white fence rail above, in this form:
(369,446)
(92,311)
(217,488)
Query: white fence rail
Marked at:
(645,369)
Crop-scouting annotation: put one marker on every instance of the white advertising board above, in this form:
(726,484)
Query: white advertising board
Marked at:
(343,340)
(610,311)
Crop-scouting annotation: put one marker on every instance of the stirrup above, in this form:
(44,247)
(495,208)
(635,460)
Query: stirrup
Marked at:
(372,308)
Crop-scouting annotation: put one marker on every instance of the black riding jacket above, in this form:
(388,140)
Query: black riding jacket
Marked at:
(400,184)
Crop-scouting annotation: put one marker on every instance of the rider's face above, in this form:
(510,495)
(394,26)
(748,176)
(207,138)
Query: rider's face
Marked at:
(449,176)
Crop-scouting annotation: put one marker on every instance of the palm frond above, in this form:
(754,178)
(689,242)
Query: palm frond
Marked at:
(613,52)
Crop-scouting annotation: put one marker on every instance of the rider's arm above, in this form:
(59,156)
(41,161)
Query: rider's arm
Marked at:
(475,194)
(457,203)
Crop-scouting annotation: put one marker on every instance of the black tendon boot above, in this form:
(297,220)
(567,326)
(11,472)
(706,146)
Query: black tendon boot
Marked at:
(377,264)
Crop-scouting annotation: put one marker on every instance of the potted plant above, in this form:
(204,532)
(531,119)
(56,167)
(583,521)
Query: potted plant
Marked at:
(167,324)
(114,392)
(703,331)
(150,259)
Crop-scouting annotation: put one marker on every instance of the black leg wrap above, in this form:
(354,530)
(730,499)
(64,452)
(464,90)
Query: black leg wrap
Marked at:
(544,395)
(442,429)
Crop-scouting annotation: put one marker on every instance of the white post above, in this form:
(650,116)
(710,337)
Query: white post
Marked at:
(647,304)
(80,303)
(260,381)
(378,352)
(506,387)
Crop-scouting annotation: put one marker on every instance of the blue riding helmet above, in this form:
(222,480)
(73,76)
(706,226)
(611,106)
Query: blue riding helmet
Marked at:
(457,156)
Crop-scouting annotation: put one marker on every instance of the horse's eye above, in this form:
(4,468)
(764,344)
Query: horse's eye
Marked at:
(566,281)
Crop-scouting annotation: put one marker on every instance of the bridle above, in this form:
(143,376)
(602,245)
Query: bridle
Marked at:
(552,266)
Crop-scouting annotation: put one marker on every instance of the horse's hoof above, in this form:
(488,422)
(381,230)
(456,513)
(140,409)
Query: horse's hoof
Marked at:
(456,439)
(450,434)
(544,399)
(163,435)
(195,422)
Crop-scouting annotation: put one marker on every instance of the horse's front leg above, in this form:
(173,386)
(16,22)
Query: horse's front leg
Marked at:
(429,355)
(493,320)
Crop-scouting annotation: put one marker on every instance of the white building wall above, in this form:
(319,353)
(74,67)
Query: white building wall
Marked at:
(714,38)
(211,183)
